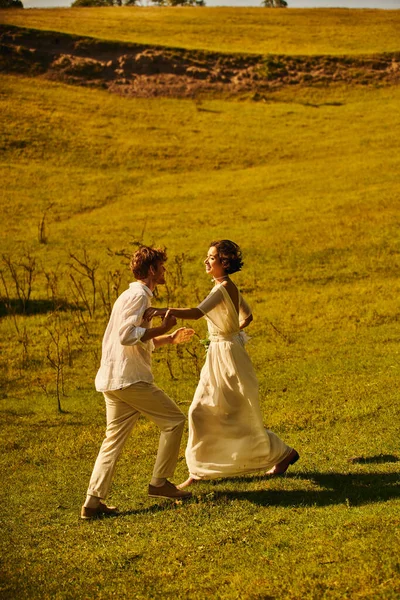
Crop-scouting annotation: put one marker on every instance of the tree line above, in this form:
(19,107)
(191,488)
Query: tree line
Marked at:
(266,3)
(77,3)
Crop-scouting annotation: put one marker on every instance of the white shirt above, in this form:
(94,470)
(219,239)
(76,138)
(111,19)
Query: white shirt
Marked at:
(125,359)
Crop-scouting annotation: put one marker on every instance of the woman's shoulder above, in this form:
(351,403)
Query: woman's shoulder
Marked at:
(230,287)
(228,284)
(214,289)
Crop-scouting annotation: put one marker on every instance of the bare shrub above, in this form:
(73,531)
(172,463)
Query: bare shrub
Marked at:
(42,237)
(110,290)
(58,348)
(87,270)
(22,273)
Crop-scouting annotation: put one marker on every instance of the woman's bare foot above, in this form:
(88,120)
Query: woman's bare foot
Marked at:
(186,483)
(282,467)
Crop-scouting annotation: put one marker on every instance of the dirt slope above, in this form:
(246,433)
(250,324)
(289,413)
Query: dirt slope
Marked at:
(146,71)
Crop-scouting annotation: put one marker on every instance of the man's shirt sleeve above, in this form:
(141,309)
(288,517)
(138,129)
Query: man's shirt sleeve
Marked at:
(130,332)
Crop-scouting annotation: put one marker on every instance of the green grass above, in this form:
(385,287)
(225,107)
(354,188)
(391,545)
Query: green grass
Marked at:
(307,183)
(293,31)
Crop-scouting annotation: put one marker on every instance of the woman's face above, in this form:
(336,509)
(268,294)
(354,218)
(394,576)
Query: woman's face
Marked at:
(213,264)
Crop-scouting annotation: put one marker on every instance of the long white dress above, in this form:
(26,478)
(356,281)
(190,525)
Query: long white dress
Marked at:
(226,431)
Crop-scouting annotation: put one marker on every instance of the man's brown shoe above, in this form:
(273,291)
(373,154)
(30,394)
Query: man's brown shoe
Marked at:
(101,509)
(168,490)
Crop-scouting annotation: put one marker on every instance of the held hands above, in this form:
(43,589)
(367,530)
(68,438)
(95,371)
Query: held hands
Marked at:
(149,313)
(183,334)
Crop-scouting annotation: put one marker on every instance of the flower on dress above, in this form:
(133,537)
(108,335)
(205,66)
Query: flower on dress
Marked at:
(205,342)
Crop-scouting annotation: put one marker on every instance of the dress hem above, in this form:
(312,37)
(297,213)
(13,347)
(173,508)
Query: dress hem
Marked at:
(222,475)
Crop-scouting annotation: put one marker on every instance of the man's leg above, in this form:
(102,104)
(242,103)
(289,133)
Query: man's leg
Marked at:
(153,403)
(121,418)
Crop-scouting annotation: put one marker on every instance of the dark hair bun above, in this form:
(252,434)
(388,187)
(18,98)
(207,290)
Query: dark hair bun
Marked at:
(229,254)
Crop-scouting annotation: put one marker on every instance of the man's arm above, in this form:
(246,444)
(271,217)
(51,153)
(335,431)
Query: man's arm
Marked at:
(130,329)
(168,323)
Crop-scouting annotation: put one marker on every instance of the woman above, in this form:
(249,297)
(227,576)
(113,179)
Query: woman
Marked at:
(226,432)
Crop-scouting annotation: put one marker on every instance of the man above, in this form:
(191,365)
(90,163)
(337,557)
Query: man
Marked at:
(126,380)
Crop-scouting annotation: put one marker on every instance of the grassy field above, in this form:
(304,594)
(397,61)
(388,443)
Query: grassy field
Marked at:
(307,186)
(306,182)
(294,31)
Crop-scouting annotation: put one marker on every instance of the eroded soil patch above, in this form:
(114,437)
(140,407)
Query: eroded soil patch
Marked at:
(146,71)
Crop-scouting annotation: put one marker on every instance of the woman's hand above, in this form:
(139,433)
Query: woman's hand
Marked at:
(151,312)
(183,334)
(246,322)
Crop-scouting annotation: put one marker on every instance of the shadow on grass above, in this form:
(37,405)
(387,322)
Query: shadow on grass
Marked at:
(338,488)
(378,459)
(321,104)
(155,508)
(352,489)
(33,307)
(208,110)
(9,415)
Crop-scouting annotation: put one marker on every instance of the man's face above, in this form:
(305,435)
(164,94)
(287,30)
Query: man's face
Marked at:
(159,274)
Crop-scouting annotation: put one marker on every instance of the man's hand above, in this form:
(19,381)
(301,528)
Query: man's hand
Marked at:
(151,312)
(169,321)
(183,334)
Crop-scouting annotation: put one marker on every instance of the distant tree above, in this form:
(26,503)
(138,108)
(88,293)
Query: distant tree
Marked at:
(274,3)
(179,2)
(92,3)
(184,2)
(78,3)
(11,4)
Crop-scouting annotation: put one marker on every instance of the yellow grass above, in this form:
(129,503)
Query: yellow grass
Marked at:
(307,182)
(250,30)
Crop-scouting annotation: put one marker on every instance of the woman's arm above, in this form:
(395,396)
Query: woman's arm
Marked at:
(191,314)
(214,298)
(178,313)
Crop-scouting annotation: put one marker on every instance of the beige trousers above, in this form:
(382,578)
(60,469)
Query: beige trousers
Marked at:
(123,410)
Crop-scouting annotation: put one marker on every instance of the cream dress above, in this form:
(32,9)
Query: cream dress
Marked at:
(226,431)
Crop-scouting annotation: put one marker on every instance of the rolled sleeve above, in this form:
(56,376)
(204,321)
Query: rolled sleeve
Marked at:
(131,336)
(130,332)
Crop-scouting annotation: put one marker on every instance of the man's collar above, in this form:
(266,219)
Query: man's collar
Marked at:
(142,285)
